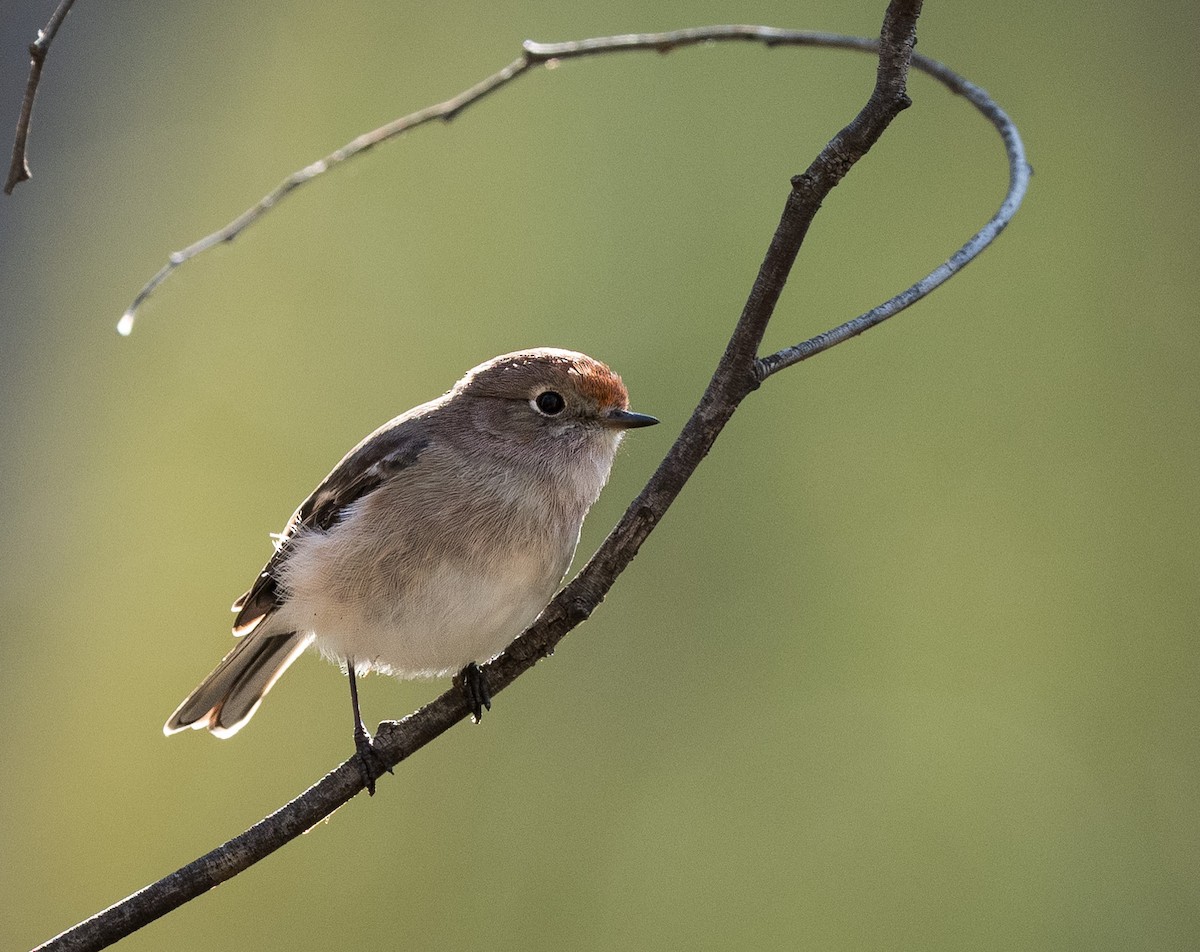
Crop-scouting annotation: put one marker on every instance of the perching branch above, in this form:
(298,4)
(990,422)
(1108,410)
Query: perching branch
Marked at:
(18,170)
(739,372)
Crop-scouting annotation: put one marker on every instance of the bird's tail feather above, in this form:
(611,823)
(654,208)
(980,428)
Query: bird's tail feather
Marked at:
(228,697)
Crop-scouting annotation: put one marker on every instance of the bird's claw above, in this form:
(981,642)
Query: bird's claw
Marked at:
(474,686)
(371,765)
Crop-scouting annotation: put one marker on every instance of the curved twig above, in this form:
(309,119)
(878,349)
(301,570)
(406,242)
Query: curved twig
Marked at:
(18,169)
(535,54)
(737,375)
(1018,183)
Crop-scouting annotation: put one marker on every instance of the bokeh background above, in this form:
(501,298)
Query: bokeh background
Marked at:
(911,664)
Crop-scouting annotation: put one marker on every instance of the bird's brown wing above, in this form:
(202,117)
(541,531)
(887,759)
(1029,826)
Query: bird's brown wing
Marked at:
(390,449)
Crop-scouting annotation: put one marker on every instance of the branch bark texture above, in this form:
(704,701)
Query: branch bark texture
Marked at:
(18,169)
(739,372)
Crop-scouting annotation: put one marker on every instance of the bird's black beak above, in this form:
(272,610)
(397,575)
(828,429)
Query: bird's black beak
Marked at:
(628,420)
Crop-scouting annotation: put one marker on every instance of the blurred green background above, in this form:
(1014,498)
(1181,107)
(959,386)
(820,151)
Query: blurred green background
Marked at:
(911,664)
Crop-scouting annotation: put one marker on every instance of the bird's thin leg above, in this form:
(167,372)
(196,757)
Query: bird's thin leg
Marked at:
(370,764)
(474,686)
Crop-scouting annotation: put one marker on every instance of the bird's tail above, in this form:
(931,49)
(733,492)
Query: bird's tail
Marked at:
(228,697)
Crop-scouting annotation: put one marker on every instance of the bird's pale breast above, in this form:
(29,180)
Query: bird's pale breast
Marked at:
(420,578)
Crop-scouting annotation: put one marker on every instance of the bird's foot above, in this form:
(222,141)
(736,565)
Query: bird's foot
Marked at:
(370,765)
(473,684)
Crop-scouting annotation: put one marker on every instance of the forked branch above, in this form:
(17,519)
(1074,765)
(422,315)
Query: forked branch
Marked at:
(739,372)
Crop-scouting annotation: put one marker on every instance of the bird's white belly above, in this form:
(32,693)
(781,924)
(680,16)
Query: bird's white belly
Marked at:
(414,624)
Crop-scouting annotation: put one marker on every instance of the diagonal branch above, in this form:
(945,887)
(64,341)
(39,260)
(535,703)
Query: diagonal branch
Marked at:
(738,374)
(18,170)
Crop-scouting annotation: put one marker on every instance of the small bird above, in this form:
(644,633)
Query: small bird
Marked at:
(434,542)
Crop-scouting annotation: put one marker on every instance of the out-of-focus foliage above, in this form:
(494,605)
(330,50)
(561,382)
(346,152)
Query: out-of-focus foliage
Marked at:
(912,664)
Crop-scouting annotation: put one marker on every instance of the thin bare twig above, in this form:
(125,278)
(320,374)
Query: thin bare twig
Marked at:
(738,374)
(533,54)
(18,170)
(1018,183)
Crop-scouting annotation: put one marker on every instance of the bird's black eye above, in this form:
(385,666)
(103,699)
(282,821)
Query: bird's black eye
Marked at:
(549,402)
